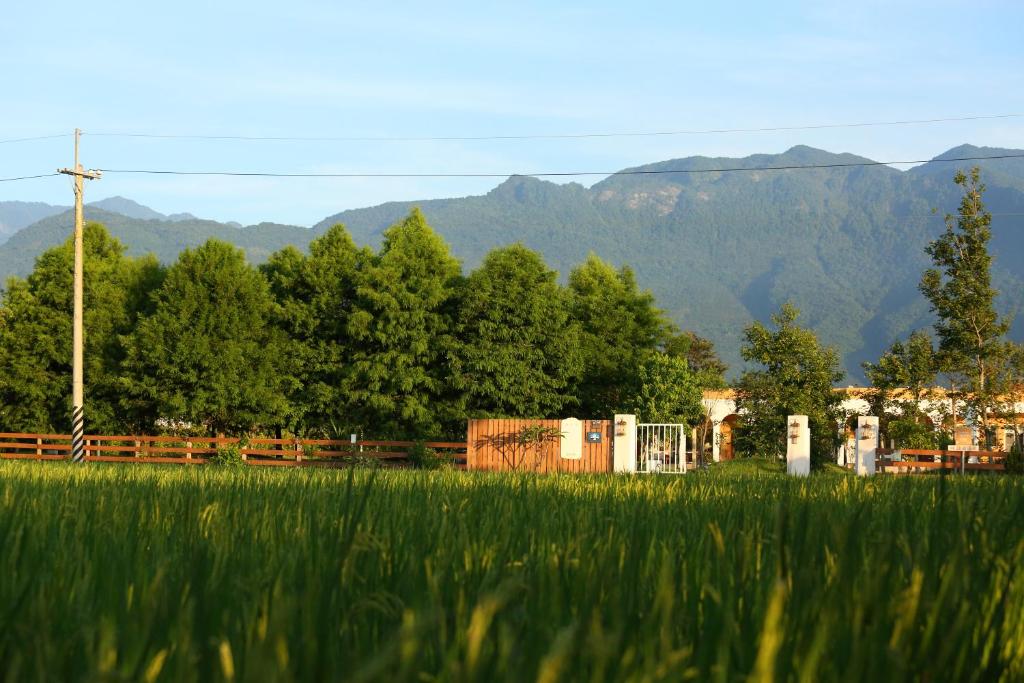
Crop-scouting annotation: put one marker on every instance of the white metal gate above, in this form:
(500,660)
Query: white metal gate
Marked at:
(661,448)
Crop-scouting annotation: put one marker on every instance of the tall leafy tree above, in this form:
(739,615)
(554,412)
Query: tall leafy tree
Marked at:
(708,373)
(699,353)
(620,329)
(668,391)
(909,366)
(208,355)
(1013,391)
(315,296)
(960,291)
(35,335)
(901,379)
(519,349)
(796,377)
(401,329)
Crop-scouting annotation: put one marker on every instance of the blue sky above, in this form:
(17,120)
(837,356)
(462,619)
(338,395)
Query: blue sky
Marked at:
(456,69)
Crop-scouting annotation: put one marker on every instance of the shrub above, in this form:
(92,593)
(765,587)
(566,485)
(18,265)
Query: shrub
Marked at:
(362,462)
(229,455)
(907,433)
(423,458)
(1015,459)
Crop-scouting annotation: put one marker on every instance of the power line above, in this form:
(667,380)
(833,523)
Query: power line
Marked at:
(28,177)
(38,137)
(549,174)
(544,136)
(943,215)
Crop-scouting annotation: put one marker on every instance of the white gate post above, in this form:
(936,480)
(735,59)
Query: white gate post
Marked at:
(624,444)
(716,438)
(867,444)
(682,448)
(798,446)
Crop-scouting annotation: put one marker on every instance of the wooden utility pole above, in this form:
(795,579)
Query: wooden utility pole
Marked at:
(77,384)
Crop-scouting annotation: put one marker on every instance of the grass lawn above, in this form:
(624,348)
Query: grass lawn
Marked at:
(738,572)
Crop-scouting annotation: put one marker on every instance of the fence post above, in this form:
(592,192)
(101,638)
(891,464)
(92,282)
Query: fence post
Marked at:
(188,450)
(39,445)
(298,450)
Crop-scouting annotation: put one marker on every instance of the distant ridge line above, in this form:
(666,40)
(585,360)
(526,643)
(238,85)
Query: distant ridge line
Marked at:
(547,174)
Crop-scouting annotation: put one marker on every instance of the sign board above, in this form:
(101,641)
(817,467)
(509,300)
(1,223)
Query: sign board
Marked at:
(593,437)
(572,439)
(963,449)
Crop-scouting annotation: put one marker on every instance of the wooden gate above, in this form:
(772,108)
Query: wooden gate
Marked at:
(497,445)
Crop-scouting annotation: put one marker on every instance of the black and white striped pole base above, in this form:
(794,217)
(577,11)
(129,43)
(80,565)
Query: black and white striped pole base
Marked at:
(78,434)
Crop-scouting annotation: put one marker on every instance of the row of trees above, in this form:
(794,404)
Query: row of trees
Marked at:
(984,371)
(968,349)
(394,343)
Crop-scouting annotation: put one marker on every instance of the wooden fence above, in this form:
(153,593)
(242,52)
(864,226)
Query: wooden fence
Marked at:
(196,450)
(495,445)
(913,459)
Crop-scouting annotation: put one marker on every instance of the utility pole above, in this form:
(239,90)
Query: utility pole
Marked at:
(77,385)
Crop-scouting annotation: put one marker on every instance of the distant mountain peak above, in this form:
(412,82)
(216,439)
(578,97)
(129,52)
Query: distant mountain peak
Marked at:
(128,207)
(1011,167)
(178,217)
(962,151)
(521,188)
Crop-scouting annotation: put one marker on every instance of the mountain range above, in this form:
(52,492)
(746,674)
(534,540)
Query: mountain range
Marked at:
(717,248)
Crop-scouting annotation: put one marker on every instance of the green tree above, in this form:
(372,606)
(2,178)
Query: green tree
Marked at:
(208,355)
(401,330)
(960,291)
(796,378)
(620,329)
(519,349)
(708,372)
(35,335)
(1009,387)
(699,353)
(315,297)
(902,379)
(668,392)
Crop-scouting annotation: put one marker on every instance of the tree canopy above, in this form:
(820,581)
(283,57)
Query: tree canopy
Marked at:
(620,329)
(401,327)
(518,354)
(35,334)
(796,376)
(208,355)
(668,391)
(959,288)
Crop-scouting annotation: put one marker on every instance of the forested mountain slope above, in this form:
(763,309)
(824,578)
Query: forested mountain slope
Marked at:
(718,249)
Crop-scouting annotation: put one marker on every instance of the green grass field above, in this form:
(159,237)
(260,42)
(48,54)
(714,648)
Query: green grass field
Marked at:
(166,573)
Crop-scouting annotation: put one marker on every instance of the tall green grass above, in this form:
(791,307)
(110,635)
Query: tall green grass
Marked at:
(151,573)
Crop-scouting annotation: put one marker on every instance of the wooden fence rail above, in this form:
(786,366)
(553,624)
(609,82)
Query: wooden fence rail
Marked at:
(197,450)
(925,459)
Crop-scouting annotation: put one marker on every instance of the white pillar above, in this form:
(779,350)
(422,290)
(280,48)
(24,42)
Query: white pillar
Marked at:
(716,436)
(867,444)
(798,446)
(624,446)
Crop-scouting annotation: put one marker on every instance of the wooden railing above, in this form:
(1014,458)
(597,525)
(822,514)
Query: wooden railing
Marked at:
(197,450)
(923,459)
